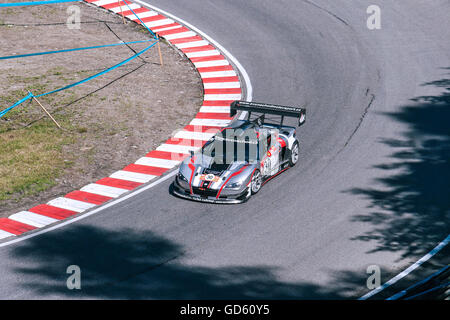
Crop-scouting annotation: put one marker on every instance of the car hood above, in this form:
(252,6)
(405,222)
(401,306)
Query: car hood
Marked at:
(204,172)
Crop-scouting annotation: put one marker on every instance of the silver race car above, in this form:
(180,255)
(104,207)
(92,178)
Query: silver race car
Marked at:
(236,162)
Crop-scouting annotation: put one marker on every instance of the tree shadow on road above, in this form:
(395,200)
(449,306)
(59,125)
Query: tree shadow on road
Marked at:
(411,209)
(141,265)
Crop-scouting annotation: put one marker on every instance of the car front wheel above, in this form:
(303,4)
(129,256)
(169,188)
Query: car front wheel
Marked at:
(256,182)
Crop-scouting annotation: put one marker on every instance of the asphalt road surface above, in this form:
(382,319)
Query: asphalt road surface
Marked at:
(371,187)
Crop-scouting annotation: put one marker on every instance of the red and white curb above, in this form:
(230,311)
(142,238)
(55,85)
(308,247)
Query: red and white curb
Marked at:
(221,87)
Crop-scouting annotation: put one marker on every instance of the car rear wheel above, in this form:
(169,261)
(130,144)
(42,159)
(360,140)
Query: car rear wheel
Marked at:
(256,182)
(294,154)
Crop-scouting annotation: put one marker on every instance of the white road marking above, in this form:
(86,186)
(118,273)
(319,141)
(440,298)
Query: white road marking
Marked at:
(5,234)
(225,96)
(103,2)
(102,190)
(210,122)
(141,15)
(157,23)
(194,135)
(167,28)
(201,54)
(32,219)
(212,63)
(176,148)
(125,8)
(70,204)
(407,271)
(192,44)
(214,74)
(221,85)
(156,162)
(215,109)
(132,176)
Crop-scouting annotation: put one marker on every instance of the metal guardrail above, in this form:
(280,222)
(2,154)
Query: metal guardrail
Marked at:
(436,287)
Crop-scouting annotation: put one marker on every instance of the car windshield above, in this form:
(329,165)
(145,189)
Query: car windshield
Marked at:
(228,150)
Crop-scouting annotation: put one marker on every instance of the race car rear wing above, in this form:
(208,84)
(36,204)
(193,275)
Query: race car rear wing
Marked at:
(283,111)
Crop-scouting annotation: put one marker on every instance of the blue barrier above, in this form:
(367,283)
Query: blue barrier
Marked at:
(100,73)
(31,95)
(154,35)
(34,3)
(69,50)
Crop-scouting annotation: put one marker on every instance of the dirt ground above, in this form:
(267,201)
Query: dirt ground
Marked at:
(108,122)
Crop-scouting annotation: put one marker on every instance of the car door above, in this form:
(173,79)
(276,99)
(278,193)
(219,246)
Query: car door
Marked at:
(271,161)
(274,153)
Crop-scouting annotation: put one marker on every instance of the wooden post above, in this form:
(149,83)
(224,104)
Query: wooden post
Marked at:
(45,110)
(121,11)
(159,51)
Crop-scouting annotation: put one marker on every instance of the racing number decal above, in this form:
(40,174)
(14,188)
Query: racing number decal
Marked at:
(274,159)
(266,166)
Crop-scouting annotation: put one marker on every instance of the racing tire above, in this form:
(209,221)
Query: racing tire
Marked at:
(293,159)
(256,183)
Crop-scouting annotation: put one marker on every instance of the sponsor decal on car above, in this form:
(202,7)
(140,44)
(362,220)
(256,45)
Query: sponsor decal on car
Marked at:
(209,177)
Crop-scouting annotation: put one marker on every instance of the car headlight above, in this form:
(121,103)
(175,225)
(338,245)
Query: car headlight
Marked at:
(233,185)
(182,181)
(181,177)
